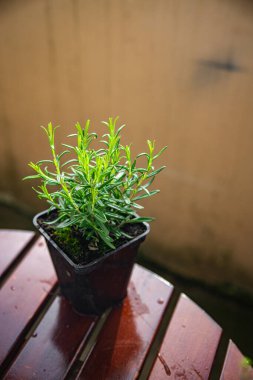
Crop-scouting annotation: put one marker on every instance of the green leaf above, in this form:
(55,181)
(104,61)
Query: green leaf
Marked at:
(107,240)
(45,161)
(155,172)
(69,162)
(136,205)
(141,220)
(31,177)
(63,153)
(70,146)
(143,154)
(116,207)
(100,216)
(146,195)
(159,153)
(126,235)
(120,129)
(114,215)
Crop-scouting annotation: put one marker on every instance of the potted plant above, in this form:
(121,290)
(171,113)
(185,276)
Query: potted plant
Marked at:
(91,228)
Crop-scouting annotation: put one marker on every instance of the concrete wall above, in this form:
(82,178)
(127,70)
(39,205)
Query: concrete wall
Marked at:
(177,71)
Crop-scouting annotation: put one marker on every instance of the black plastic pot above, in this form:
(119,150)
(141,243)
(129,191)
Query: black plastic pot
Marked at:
(98,285)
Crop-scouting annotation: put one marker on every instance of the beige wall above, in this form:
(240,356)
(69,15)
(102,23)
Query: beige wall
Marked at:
(177,71)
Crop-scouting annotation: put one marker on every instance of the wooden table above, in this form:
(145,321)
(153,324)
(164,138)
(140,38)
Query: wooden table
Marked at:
(156,333)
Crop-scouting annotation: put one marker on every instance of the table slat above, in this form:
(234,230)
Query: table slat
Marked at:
(54,345)
(23,294)
(129,330)
(234,366)
(12,243)
(189,345)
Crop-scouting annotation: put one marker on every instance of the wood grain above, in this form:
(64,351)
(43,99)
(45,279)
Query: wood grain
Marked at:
(189,345)
(187,351)
(126,337)
(23,294)
(234,366)
(54,345)
(12,243)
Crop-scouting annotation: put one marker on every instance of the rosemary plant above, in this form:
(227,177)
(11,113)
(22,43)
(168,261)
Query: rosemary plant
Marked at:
(98,191)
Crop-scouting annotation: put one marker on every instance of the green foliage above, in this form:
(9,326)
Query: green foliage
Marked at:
(246,362)
(96,191)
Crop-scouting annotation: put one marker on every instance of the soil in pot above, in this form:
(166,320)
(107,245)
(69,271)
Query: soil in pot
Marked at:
(74,244)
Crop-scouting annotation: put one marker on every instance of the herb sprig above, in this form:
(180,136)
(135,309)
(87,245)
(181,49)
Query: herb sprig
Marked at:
(96,192)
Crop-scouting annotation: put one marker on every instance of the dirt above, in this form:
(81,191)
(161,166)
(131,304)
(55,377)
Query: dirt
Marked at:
(74,244)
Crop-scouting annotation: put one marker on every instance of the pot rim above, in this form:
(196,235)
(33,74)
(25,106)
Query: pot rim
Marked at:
(96,261)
